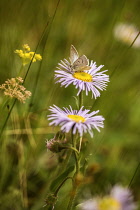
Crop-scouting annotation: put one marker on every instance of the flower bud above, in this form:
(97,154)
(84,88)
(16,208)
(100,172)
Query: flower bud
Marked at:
(50,200)
(58,143)
(54,145)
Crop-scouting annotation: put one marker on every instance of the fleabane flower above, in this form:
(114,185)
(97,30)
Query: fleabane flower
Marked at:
(26,55)
(92,80)
(120,198)
(80,121)
(124,196)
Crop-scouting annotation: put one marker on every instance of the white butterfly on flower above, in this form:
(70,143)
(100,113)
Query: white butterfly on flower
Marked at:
(84,75)
(78,63)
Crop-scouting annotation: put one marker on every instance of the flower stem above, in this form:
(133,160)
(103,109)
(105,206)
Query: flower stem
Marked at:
(59,187)
(20,74)
(77,161)
(74,189)
(72,148)
(75,152)
(80,143)
(80,99)
(73,196)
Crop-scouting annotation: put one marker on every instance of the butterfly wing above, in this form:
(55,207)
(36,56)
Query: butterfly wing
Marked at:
(73,54)
(81,64)
(83,68)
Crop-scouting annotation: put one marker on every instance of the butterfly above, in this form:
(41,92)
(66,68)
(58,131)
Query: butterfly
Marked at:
(78,63)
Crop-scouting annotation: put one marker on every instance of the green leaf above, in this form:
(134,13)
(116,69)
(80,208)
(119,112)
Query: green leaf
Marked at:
(59,179)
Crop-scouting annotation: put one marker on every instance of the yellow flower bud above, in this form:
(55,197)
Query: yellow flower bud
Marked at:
(26,47)
(27,56)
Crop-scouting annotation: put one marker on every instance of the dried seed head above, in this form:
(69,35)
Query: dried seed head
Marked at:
(14,89)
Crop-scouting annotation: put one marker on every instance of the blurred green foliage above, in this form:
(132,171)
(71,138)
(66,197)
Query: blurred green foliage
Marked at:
(88,25)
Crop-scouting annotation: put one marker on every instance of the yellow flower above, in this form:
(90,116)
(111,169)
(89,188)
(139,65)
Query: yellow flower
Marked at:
(26,47)
(38,57)
(26,55)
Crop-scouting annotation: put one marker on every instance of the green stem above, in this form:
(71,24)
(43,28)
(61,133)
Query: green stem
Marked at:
(80,99)
(71,202)
(72,148)
(75,187)
(9,113)
(77,161)
(75,154)
(80,143)
(59,187)
(20,71)
(22,175)
(72,198)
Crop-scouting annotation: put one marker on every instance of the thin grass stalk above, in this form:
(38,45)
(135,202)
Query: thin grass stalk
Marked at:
(43,33)
(22,175)
(123,54)
(134,175)
(39,69)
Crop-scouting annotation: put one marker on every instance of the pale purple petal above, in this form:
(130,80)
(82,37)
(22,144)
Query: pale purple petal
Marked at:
(90,204)
(124,196)
(64,76)
(60,117)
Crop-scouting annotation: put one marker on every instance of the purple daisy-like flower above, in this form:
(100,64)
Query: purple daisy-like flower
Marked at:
(91,204)
(80,121)
(124,197)
(85,80)
(120,198)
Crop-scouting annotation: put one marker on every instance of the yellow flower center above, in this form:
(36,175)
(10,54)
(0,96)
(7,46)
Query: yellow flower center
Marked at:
(109,203)
(83,76)
(76,118)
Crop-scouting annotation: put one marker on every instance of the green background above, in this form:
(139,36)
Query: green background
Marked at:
(88,25)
